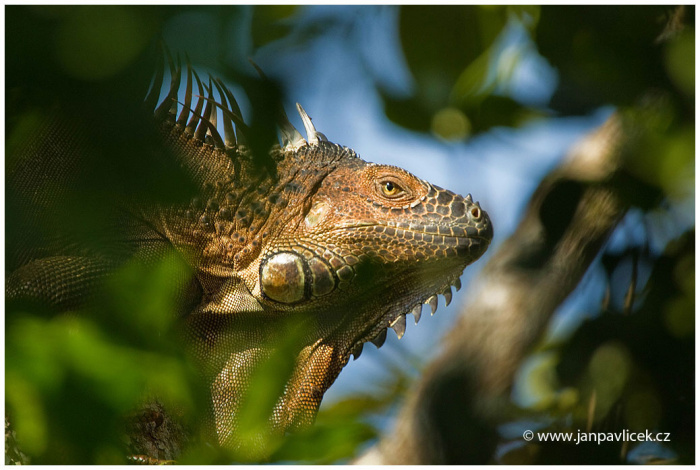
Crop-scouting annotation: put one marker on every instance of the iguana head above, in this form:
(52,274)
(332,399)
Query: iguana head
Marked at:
(343,247)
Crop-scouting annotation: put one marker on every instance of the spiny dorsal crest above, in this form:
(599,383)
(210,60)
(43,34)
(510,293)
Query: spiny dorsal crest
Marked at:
(202,124)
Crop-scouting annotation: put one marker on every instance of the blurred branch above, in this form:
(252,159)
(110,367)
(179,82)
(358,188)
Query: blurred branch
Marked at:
(451,414)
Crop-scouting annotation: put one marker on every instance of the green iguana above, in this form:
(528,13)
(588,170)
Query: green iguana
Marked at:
(342,248)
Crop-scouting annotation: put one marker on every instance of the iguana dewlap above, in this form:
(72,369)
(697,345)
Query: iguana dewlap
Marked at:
(316,237)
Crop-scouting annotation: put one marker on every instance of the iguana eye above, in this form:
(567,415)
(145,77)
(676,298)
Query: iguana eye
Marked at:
(390,189)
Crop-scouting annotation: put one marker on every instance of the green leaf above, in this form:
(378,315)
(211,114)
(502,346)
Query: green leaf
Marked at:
(269,23)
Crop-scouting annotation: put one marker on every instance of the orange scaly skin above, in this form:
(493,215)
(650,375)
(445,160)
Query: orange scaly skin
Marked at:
(308,255)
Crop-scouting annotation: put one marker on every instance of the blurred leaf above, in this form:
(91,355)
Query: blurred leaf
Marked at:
(496,111)
(643,409)
(679,312)
(451,124)
(95,42)
(407,113)
(666,160)
(539,386)
(28,415)
(609,370)
(71,379)
(604,54)
(471,86)
(446,48)
(453,69)
(24,128)
(439,42)
(680,61)
(269,23)
(143,298)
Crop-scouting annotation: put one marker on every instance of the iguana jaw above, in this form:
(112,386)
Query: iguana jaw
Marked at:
(398,300)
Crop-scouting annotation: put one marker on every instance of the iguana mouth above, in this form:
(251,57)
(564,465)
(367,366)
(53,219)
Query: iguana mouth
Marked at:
(435,230)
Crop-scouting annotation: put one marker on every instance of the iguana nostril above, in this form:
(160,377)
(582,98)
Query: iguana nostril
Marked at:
(476,213)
